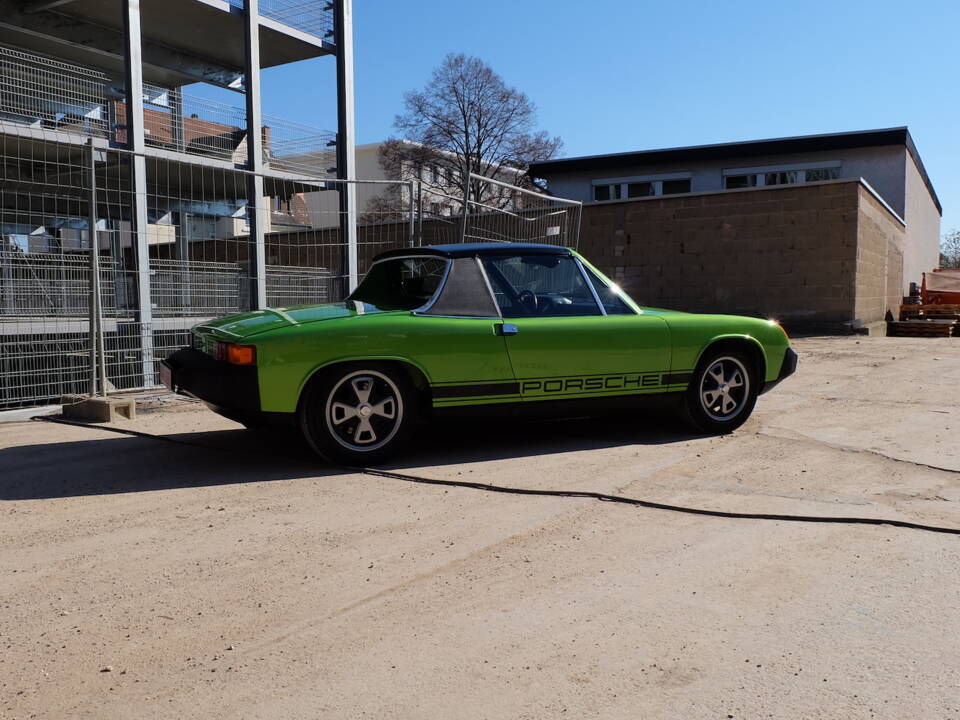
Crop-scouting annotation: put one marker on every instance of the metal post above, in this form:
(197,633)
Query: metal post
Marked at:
(9,295)
(346,139)
(256,210)
(98,362)
(182,247)
(466,202)
(419,213)
(176,119)
(412,242)
(133,67)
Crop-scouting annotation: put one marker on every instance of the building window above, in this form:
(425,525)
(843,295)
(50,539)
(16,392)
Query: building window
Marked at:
(675,187)
(780,178)
(639,187)
(606,192)
(820,174)
(735,182)
(775,176)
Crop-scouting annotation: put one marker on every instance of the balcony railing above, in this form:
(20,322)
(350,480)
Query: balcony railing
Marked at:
(38,92)
(313,17)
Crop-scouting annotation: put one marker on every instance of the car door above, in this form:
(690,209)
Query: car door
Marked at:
(565,341)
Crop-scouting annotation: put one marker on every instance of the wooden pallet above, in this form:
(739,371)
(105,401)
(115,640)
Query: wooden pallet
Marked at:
(933,312)
(922,328)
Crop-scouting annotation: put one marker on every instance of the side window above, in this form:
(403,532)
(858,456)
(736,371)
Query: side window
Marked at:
(400,283)
(539,286)
(609,297)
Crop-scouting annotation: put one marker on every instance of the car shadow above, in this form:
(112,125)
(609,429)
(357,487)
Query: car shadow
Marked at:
(126,464)
(470,442)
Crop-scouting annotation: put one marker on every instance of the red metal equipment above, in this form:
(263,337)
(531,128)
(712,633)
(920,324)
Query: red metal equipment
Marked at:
(941,287)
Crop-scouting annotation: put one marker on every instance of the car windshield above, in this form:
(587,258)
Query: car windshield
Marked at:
(400,283)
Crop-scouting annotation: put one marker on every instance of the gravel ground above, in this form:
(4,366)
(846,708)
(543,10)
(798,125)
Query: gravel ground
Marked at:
(230,575)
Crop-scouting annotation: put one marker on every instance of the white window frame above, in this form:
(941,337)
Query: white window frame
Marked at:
(761,171)
(655,180)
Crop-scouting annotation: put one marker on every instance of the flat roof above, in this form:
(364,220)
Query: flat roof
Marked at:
(772,146)
(477,249)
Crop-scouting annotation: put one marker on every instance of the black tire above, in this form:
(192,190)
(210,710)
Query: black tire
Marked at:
(359,414)
(722,392)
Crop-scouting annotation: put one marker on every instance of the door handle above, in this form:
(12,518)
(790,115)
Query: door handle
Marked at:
(506,329)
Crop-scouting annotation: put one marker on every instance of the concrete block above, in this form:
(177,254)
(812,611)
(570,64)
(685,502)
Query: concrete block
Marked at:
(98,409)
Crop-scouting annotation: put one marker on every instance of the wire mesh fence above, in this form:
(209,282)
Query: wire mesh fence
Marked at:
(314,17)
(174,240)
(43,94)
(174,254)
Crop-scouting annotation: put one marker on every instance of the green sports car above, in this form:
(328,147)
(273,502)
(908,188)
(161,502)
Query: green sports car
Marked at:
(474,327)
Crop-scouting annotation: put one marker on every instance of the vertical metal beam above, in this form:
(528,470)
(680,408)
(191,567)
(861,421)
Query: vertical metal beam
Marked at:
(346,139)
(176,119)
(133,72)
(256,210)
(98,355)
(182,253)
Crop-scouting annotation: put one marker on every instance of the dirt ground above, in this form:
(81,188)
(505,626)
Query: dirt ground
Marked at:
(237,577)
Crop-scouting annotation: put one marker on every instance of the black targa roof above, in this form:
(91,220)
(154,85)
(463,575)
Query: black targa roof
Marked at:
(477,249)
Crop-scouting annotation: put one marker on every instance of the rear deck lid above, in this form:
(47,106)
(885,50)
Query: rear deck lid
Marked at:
(245,325)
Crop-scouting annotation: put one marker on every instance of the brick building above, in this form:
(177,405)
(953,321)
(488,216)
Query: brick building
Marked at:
(825,230)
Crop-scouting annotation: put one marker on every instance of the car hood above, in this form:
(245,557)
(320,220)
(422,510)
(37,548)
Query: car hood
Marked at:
(247,325)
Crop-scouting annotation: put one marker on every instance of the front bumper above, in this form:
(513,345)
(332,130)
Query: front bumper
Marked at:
(232,387)
(788,368)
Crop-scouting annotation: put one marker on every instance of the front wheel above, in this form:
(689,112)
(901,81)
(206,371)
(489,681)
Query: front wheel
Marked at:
(722,393)
(359,414)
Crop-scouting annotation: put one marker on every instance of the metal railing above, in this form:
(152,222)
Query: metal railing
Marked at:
(41,93)
(50,94)
(194,288)
(50,284)
(314,17)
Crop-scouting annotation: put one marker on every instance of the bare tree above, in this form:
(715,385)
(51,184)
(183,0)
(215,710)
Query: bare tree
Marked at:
(950,249)
(467,120)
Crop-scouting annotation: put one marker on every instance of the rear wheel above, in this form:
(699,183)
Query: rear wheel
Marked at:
(358,414)
(722,392)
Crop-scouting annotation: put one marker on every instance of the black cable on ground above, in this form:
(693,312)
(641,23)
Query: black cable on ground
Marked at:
(583,494)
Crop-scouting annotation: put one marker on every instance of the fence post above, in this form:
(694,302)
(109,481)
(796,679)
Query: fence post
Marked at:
(466,203)
(412,242)
(7,288)
(98,364)
(419,213)
(576,227)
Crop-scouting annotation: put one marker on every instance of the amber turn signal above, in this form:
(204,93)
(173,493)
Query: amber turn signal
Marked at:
(237,354)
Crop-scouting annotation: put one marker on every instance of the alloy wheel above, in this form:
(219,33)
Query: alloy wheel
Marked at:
(724,388)
(364,410)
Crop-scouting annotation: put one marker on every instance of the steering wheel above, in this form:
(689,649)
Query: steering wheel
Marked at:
(528,299)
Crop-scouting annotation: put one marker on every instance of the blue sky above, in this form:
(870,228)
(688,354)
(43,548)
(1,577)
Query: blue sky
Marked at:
(613,76)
